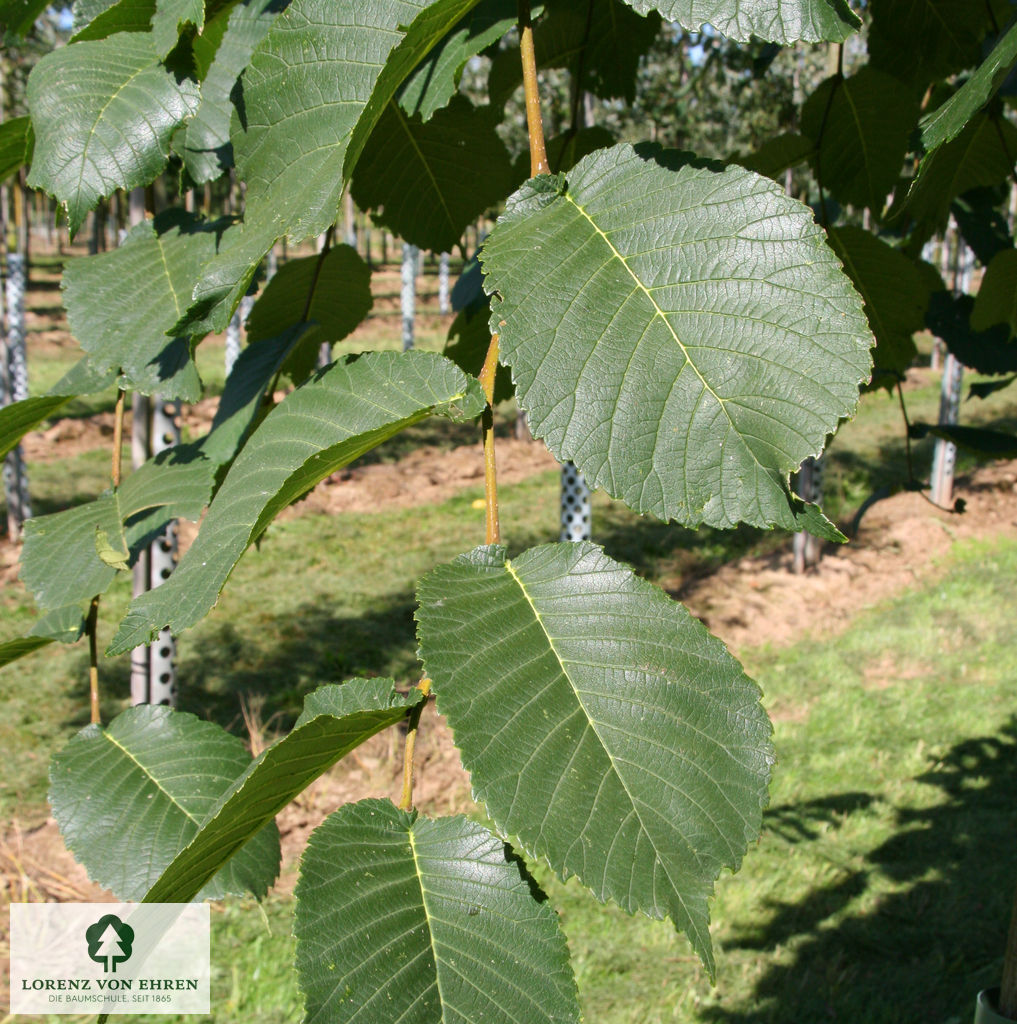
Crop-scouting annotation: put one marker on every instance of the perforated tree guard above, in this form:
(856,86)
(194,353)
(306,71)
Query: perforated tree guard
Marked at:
(443,293)
(235,331)
(944,456)
(576,522)
(408,295)
(153,668)
(15,379)
(806,549)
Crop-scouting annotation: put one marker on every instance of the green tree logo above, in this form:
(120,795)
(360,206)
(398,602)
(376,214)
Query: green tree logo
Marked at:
(109,942)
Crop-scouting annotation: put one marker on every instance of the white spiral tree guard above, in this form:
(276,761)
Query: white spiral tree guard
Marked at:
(15,389)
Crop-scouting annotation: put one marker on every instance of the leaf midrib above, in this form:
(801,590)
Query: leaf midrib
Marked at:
(633,803)
(658,312)
(510,568)
(862,139)
(404,124)
(427,915)
(99,116)
(148,774)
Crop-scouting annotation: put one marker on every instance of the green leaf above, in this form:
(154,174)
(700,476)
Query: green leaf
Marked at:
(160,259)
(18,16)
(59,562)
(923,40)
(332,292)
(996,302)
(776,21)
(205,45)
(171,18)
(16,143)
(406,919)
(948,121)
(18,418)
(982,223)
(608,34)
(982,389)
(995,444)
(434,82)
(12,650)
(778,154)
(683,334)
(145,783)
(240,404)
(600,723)
(99,19)
(325,424)
(861,126)
(302,120)
(206,148)
(335,720)
(83,379)
(895,293)
(427,180)
(979,155)
(63,624)
(103,113)
(991,351)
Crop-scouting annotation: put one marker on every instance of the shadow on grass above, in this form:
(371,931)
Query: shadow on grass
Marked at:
(922,952)
(219,665)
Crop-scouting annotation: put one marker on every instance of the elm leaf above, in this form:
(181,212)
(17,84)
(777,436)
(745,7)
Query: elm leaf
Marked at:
(16,143)
(161,260)
(103,114)
(600,723)
(427,180)
(206,148)
(18,418)
(776,21)
(301,120)
(895,292)
(146,781)
(861,127)
(996,302)
(948,121)
(403,919)
(682,333)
